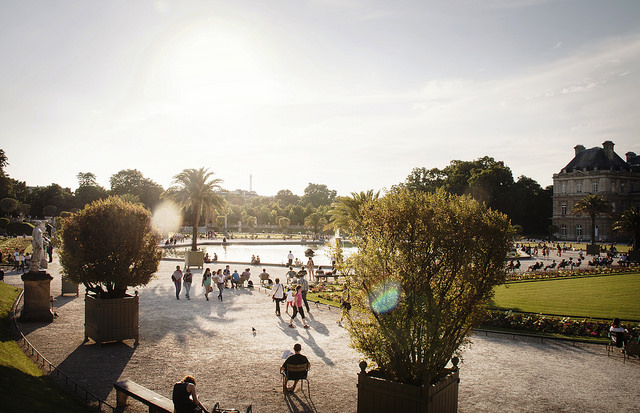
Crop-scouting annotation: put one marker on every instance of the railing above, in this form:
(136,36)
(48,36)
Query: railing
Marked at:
(46,366)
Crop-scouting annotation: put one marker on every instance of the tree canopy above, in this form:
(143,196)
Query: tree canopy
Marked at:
(425,267)
(109,246)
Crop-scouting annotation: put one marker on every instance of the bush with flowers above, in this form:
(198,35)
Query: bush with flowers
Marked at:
(545,324)
(585,272)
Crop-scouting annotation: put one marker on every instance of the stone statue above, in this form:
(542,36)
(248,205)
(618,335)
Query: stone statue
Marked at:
(38,260)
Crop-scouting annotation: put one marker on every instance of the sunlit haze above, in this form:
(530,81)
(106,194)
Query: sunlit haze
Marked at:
(351,94)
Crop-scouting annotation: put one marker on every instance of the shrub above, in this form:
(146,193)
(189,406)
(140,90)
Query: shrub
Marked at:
(4,222)
(19,228)
(425,267)
(109,246)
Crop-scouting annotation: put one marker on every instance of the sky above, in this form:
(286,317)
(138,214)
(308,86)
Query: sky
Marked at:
(277,94)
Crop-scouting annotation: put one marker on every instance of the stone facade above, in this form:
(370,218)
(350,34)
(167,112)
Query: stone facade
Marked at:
(594,171)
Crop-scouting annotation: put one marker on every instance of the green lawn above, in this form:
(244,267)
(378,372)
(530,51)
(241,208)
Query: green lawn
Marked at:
(591,297)
(25,387)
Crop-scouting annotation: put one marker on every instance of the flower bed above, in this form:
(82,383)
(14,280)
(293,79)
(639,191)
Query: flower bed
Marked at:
(540,323)
(329,292)
(572,273)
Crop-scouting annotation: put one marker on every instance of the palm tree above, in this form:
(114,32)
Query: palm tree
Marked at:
(315,221)
(345,213)
(629,221)
(195,190)
(592,205)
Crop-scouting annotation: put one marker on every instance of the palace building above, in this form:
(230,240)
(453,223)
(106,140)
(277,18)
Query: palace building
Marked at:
(597,171)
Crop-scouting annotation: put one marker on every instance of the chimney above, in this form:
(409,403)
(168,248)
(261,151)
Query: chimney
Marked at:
(608,149)
(632,158)
(578,149)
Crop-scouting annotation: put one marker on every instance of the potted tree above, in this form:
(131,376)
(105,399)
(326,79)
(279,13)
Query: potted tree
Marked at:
(196,191)
(425,266)
(110,246)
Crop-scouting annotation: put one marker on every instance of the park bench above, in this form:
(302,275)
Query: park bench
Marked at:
(156,402)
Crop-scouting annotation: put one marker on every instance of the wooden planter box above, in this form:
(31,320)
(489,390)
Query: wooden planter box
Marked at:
(380,395)
(68,286)
(194,259)
(113,319)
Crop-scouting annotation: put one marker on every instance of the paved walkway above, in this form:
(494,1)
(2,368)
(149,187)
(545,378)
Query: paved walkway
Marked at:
(236,366)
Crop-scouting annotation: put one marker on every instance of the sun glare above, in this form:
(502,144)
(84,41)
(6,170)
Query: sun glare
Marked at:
(167,218)
(213,62)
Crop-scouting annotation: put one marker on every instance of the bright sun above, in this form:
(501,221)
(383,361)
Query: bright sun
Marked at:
(209,61)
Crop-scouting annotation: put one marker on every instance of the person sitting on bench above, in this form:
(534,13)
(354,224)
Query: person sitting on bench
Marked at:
(185,399)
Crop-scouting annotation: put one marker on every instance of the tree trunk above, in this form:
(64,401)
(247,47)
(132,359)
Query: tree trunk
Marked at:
(593,229)
(196,221)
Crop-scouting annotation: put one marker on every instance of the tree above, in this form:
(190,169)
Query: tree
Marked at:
(345,213)
(195,190)
(629,222)
(131,181)
(53,194)
(4,162)
(8,205)
(426,266)
(315,221)
(317,195)
(593,206)
(88,189)
(86,179)
(284,223)
(109,246)
(287,197)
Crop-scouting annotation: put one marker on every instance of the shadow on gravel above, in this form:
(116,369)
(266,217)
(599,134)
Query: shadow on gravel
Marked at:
(98,366)
(297,404)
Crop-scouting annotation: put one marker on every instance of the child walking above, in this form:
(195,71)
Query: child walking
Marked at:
(297,307)
(289,300)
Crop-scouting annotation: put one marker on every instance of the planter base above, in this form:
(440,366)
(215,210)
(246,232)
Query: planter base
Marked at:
(113,319)
(37,297)
(381,395)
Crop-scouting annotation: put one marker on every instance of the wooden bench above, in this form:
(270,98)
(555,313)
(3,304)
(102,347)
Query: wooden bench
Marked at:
(156,402)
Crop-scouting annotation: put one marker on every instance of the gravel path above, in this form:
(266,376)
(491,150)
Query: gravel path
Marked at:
(214,341)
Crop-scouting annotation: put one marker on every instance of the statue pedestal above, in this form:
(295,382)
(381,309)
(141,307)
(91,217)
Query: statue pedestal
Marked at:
(37,293)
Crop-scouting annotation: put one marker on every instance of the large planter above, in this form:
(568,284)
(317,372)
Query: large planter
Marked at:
(68,286)
(194,259)
(112,319)
(37,297)
(380,395)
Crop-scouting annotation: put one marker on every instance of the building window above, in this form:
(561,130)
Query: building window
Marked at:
(594,187)
(613,207)
(563,230)
(579,230)
(563,209)
(621,186)
(579,188)
(613,185)
(564,187)
(631,187)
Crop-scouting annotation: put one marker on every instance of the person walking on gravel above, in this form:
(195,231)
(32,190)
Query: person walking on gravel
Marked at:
(278,295)
(297,308)
(220,281)
(176,277)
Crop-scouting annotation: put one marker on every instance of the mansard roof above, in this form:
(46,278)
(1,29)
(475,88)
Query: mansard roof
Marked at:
(596,159)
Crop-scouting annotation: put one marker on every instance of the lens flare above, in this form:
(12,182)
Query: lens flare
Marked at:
(167,218)
(385,297)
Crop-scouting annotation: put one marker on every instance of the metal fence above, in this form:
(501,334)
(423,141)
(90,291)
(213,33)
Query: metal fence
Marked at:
(46,366)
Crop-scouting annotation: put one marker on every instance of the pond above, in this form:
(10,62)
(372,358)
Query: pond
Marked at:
(274,253)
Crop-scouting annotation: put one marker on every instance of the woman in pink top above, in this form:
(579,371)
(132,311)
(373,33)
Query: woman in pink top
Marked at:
(297,307)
